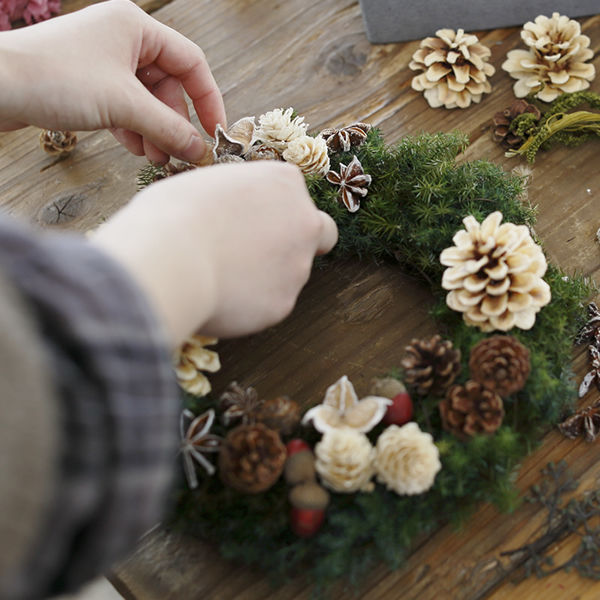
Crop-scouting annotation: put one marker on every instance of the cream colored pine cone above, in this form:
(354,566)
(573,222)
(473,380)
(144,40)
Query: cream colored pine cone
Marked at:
(556,58)
(309,153)
(345,460)
(277,128)
(455,69)
(495,274)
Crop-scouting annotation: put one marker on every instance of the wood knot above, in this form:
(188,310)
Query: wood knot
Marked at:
(63,209)
(345,59)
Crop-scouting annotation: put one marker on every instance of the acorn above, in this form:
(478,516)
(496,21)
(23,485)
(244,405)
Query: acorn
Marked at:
(305,523)
(400,411)
(299,467)
(309,496)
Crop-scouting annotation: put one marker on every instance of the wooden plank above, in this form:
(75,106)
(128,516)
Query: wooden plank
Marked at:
(352,318)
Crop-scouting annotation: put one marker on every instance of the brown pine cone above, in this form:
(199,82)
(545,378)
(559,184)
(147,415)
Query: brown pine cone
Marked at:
(431,365)
(252,458)
(470,410)
(501,364)
(503,119)
(58,143)
(171,169)
(280,414)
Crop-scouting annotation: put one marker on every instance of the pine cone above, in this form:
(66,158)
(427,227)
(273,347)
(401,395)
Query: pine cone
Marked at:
(263,152)
(343,139)
(555,58)
(252,458)
(280,414)
(58,143)
(495,274)
(431,365)
(501,364)
(470,410)
(171,169)
(503,119)
(455,69)
(309,153)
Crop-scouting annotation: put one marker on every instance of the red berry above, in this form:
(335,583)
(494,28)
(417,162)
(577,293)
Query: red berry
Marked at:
(305,523)
(400,411)
(295,446)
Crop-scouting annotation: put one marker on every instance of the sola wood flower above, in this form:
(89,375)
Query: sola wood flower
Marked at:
(342,408)
(309,153)
(195,441)
(556,58)
(277,128)
(584,420)
(406,459)
(353,182)
(343,139)
(495,274)
(455,69)
(345,460)
(191,359)
(593,375)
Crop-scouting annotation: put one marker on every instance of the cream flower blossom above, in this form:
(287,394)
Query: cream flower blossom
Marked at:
(406,459)
(495,274)
(276,128)
(556,58)
(309,153)
(191,359)
(344,461)
(341,408)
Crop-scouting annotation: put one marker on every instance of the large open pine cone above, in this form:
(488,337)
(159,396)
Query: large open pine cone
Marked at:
(431,365)
(495,274)
(470,410)
(500,363)
(455,69)
(252,458)
(556,58)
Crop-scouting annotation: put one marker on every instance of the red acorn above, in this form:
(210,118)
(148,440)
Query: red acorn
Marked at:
(400,411)
(305,522)
(296,445)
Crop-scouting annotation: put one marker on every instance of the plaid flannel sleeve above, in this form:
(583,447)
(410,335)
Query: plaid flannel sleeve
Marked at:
(119,405)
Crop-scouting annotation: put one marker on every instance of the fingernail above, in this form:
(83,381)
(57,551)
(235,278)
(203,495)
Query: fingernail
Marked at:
(195,150)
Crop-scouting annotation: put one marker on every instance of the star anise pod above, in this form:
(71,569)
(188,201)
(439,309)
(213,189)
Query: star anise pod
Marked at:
(590,332)
(593,374)
(584,420)
(346,137)
(239,403)
(353,182)
(195,441)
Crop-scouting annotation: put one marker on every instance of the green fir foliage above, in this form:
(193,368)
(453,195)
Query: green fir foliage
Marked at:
(418,198)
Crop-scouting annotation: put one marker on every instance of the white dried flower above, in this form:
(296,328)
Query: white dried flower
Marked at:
(309,153)
(344,461)
(277,128)
(495,274)
(406,459)
(556,58)
(191,359)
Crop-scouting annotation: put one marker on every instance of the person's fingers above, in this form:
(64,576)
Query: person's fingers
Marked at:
(129,139)
(329,234)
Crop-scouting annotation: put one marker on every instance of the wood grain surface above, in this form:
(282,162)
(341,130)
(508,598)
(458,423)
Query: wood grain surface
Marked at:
(353,318)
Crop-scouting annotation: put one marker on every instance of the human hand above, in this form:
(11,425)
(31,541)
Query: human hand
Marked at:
(110,66)
(223,250)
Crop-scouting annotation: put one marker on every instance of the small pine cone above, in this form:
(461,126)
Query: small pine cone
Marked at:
(503,119)
(280,414)
(500,363)
(431,365)
(343,139)
(309,153)
(252,458)
(171,169)
(58,143)
(263,152)
(470,410)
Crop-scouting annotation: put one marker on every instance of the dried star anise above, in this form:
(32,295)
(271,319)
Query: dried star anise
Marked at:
(503,120)
(353,182)
(239,403)
(346,137)
(584,420)
(197,440)
(590,332)
(593,374)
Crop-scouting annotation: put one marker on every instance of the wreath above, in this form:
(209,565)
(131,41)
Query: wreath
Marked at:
(352,482)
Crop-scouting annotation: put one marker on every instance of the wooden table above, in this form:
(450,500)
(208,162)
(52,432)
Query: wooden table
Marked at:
(352,318)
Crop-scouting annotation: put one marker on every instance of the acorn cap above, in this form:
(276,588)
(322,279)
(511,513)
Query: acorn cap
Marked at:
(309,496)
(387,387)
(300,467)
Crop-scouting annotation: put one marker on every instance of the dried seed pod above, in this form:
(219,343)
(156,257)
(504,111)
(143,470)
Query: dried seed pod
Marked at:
(58,143)
(345,138)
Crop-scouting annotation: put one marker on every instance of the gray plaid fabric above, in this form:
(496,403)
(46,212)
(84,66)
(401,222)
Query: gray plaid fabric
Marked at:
(119,406)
